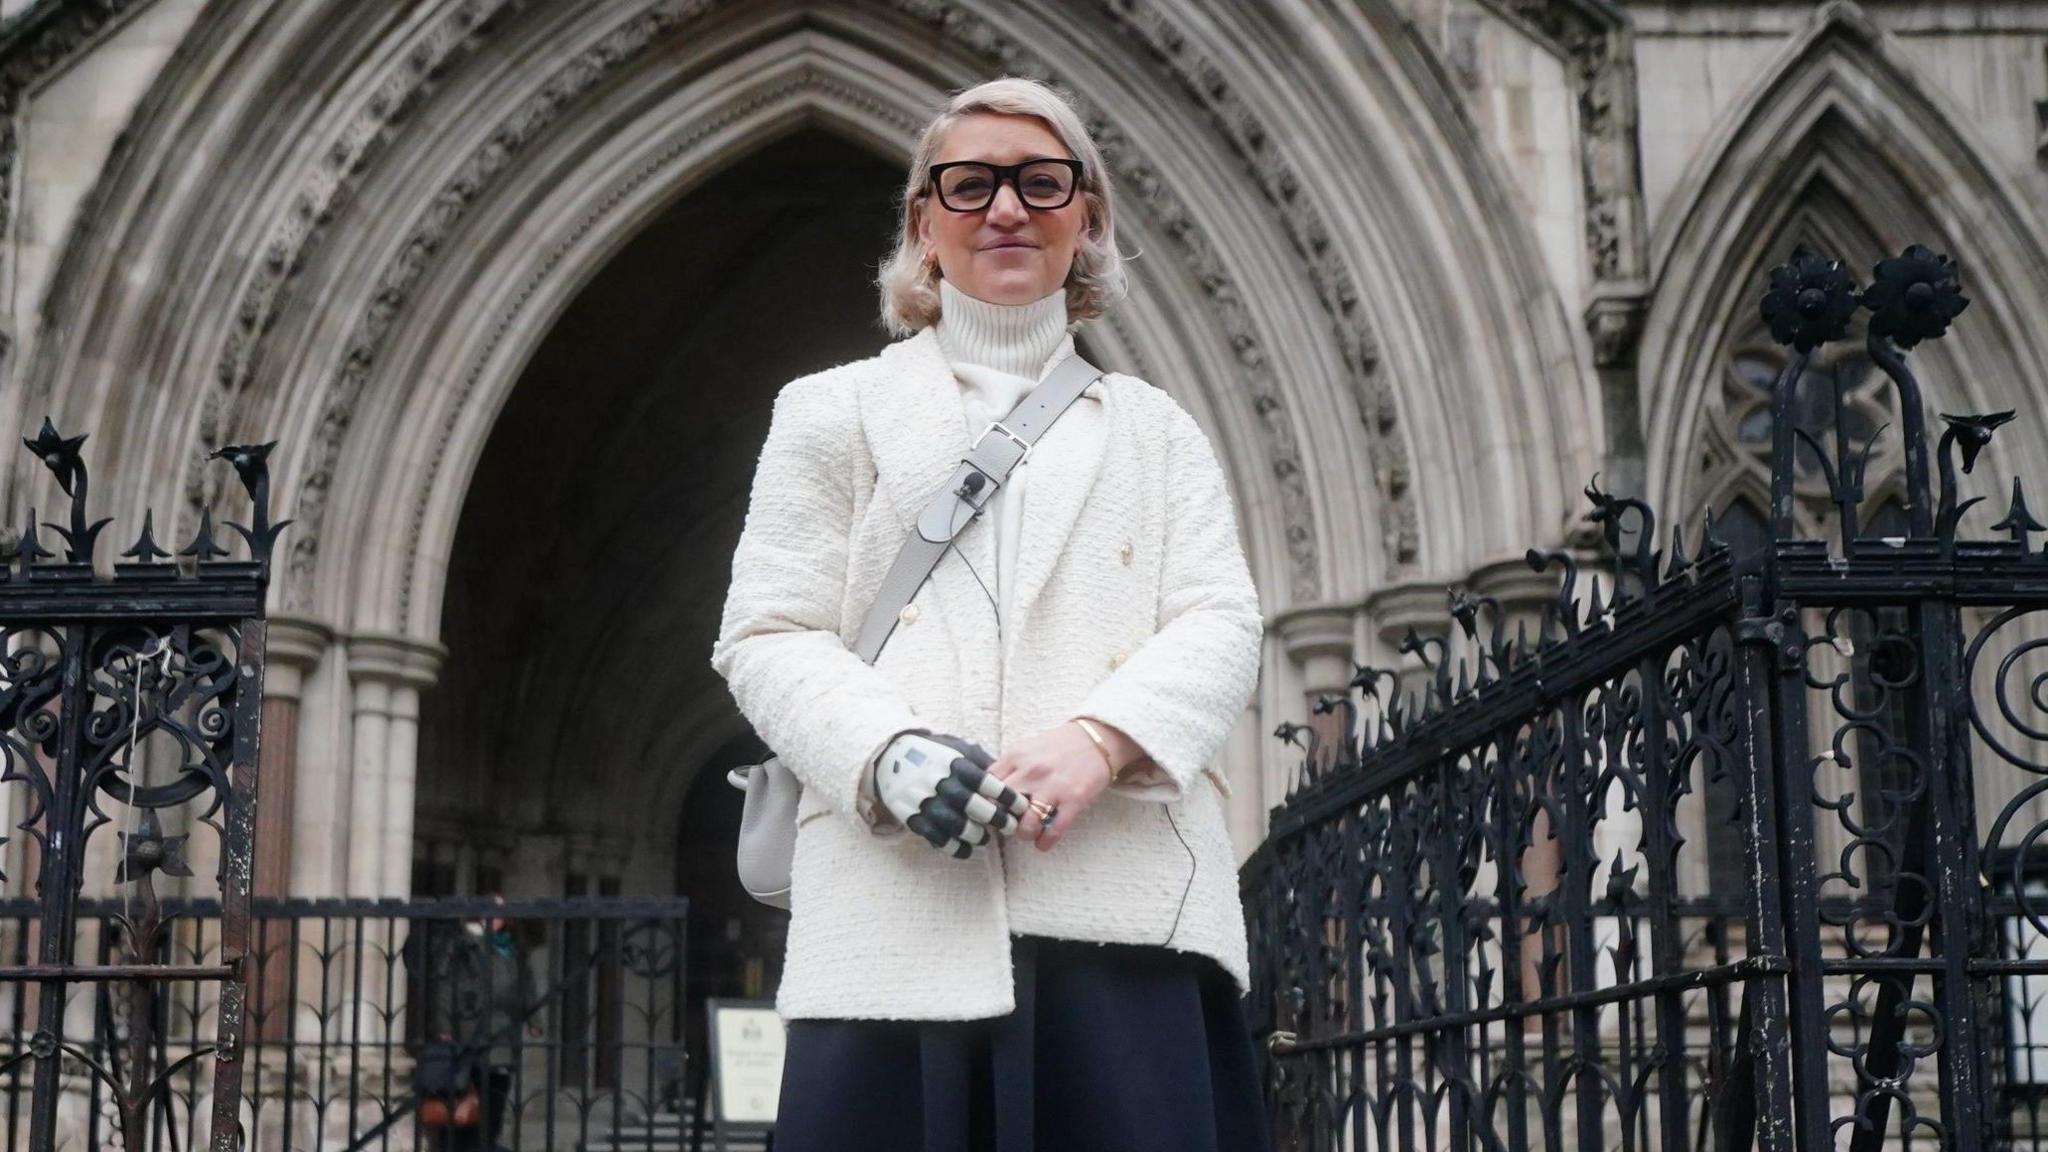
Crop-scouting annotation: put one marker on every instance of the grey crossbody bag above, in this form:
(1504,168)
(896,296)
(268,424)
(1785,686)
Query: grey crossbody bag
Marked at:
(767,842)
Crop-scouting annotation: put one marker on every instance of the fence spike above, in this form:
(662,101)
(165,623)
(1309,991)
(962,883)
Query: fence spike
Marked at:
(2018,519)
(1675,560)
(31,549)
(145,550)
(203,547)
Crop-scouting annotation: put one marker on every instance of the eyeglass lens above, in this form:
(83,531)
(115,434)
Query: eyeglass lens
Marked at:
(1040,184)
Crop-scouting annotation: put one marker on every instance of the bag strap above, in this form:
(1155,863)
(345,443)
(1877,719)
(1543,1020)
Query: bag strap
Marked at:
(1001,446)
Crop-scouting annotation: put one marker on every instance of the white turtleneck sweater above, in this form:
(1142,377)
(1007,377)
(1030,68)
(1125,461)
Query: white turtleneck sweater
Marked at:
(999,353)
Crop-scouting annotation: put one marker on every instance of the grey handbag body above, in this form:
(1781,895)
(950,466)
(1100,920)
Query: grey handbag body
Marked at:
(767,843)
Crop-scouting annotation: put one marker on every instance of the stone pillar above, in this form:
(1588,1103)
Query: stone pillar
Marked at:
(1421,605)
(295,646)
(387,673)
(1319,640)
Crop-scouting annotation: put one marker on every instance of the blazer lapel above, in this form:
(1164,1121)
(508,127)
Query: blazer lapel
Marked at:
(1064,466)
(915,423)
(917,433)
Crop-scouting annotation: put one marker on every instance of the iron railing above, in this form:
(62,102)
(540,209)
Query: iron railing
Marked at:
(590,1032)
(1733,843)
(130,719)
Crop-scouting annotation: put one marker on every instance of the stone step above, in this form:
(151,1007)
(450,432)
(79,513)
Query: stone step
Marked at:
(667,1132)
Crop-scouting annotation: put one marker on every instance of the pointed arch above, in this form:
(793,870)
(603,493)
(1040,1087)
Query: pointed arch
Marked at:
(1841,120)
(364,280)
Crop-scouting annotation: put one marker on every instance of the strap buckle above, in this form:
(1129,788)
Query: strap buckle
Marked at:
(996,426)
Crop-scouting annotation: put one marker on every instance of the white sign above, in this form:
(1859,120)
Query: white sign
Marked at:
(746,1045)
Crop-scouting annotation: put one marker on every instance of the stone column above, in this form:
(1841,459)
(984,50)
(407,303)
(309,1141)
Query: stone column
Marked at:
(1319,640)
(387,673)
(294,647)
(1421,605)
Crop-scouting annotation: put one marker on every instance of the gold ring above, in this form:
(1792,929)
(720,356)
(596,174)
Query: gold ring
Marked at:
(1043,809)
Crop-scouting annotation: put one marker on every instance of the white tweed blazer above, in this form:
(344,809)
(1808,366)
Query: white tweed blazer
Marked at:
(1133,603)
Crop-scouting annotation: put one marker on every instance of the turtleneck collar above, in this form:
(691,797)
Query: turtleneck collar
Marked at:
(1013,338)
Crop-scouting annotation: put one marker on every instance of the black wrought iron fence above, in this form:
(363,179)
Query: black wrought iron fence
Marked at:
(577,1004)
(130,718)
(1737,842)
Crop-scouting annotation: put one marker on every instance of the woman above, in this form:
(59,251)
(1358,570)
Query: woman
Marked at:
(480,996)
(1041,948)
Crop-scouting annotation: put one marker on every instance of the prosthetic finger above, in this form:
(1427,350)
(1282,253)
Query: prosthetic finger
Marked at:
(979,810)
(1011,801)
(947,818)
(951,845)
(946,813)
(962,835)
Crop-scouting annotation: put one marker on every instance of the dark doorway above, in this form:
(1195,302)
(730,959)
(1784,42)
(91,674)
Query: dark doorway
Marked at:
(593,551)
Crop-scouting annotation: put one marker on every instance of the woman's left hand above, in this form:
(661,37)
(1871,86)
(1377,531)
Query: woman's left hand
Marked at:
(1061,766)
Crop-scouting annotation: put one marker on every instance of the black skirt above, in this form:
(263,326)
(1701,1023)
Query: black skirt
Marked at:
(1112,1047)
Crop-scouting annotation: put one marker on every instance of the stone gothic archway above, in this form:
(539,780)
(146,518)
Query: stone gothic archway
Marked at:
(367,286)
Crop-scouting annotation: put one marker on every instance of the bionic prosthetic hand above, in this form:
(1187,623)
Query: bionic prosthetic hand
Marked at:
(939,787)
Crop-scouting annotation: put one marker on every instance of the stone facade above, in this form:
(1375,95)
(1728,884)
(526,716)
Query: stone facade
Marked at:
(489,271)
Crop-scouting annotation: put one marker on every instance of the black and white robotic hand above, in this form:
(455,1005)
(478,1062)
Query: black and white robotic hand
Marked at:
(940,788)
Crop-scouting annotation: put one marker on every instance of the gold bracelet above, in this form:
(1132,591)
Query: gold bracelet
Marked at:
(1107,762)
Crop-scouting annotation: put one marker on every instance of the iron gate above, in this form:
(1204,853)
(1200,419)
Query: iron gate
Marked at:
(124,702)
(1736,842)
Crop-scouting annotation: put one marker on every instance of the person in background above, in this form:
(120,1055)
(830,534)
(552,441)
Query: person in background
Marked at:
(481,998)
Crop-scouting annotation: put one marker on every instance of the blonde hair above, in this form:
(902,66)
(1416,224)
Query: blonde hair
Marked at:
(910,277)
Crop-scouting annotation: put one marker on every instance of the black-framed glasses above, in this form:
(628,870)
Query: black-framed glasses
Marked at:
(970,185)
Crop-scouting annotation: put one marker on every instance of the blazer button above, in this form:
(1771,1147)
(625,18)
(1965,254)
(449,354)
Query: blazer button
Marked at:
(909,614)
(1116,661)
(1124,554)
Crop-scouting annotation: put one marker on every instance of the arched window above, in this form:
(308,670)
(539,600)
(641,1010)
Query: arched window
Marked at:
(1734,481)
(1735,455)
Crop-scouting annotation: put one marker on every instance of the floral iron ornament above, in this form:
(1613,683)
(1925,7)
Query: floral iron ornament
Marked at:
(1914,297)
(149,850)
(1810,302)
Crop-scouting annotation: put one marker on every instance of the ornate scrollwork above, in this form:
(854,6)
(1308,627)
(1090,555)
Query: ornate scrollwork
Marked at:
(1728,802)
